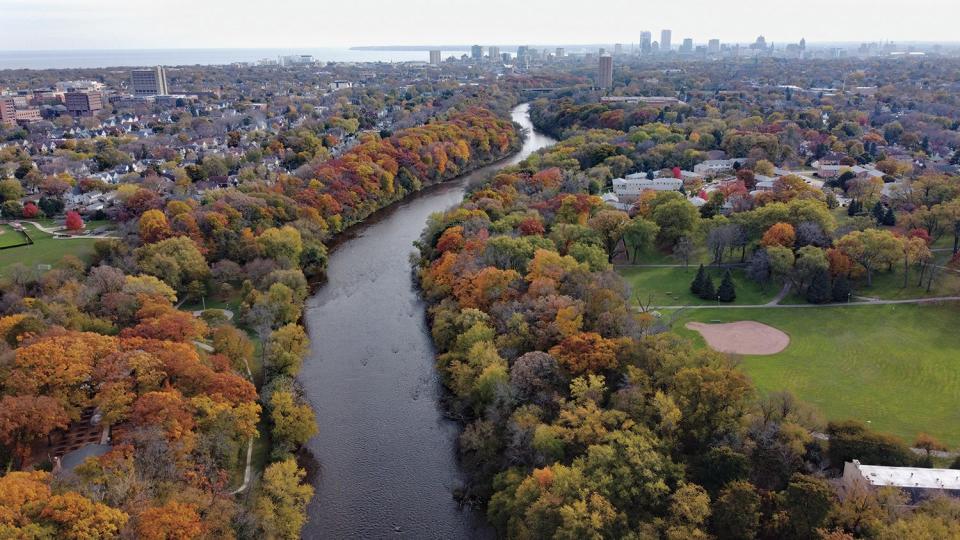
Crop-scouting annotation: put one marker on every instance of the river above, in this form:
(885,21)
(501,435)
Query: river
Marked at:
(386,455)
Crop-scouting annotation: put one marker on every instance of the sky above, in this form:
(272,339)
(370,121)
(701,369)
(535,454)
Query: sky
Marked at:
(130,24)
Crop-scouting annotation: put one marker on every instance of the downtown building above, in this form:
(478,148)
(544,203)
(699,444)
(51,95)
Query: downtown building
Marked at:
(605,72)
(149,82)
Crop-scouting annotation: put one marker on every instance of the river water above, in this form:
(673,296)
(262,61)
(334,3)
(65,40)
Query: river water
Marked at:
(386,455)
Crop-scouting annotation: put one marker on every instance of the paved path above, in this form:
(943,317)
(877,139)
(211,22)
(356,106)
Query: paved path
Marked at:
(870,302)
(780,295)
(58,234)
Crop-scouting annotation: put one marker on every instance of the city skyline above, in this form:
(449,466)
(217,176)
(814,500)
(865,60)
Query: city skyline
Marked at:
(62,24)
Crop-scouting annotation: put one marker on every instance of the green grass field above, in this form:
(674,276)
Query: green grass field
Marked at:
(45,250)
(671,286)
(10,237)
(896,367)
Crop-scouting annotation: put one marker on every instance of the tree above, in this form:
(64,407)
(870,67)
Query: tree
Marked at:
(689,509)
(736,512)
(172,521)
(819,291)
(281,505)
(727,292)
(283,245)
(807,502)
(915,250)
(872,249)
(79,518)
(26,419)
(852,440)
(153,226)
(585,352)
(235,345)
(699,282)
(74,222)
(841,289)
(676,219)
(177,261)
(759,269)
(30,210)
(610,224)
(640,234)
(683,250)
(293,422)
(780,234)
(286,348)
(10,190)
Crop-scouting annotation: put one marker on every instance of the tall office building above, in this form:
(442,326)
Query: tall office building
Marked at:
(476,52)
(494,54)
(665,36)
(618,48)
(687,46)
(559,53)
(523,53)
(605,72)
(149,82)
(83,103)
(646,39)
(435,57)
(713,46)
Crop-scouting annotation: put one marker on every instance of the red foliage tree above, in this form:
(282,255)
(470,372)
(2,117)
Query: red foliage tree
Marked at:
(74,221)
(30,210)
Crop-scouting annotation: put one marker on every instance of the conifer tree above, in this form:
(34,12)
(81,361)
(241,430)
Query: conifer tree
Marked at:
(819,291)
(727,292)
(696,287)
(707,291)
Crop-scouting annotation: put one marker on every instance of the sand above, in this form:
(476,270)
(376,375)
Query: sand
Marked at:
(742,337)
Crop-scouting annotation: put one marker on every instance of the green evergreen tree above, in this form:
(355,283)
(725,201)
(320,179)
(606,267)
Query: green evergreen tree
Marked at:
(841,289)
(878,212)
(727,292)
(819,291)
(696,287)
(889,218)
(708,292)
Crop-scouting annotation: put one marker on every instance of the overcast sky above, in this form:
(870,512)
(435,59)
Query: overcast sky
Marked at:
(117,24)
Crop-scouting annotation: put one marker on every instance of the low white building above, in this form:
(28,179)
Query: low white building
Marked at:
(635,184)
(717,166)
(916,480)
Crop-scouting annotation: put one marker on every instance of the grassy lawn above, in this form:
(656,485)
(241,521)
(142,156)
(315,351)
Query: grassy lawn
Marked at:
(45,250)
(894,366)
(671,286)
(10,237)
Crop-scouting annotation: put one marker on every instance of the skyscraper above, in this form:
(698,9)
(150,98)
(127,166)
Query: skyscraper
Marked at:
(687,46)
(665,37)
(149,82)
(645,41)
(522,55)
(476,52)
(605,72)
(618,48)
(559,53)
(493,53)
(713,47)
(435,57)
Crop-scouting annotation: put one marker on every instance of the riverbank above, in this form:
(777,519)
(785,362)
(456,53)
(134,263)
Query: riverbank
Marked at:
(385,454)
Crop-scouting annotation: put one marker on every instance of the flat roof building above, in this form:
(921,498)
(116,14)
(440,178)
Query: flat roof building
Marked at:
(149,82)
(915,480)
(435,57)
(665,40)
(83,103)
(605,72)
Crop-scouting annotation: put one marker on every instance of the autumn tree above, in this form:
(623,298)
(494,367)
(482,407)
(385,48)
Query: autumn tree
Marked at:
(293,421)
(871,249)
(26,419)
(780,234)
(171,521)
(286,348)
(585,352)
(153,226)
(73,222)
(281,505)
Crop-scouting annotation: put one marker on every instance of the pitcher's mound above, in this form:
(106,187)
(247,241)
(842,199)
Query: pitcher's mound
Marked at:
(742,337)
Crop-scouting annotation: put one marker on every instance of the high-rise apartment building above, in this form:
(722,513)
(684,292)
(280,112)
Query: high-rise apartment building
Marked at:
(8,112)
(713,46)
(494,53)
(618,48)
(665,38)
(149,82)
(605,72)
(476,52)
(646,40)
(435,57)
(559,53)
(687,46)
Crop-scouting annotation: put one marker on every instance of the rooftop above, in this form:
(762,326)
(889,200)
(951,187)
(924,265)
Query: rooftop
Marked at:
(910,477)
